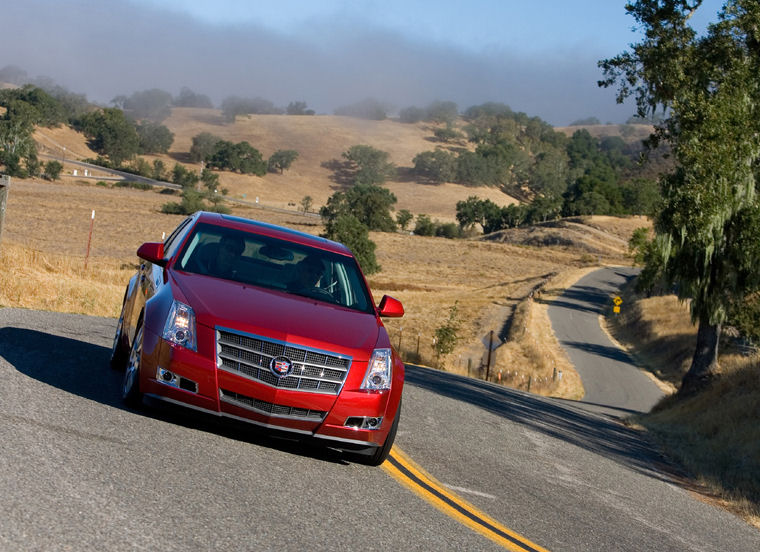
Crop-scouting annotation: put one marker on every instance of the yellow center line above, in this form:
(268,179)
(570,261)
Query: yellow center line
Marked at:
(412,476)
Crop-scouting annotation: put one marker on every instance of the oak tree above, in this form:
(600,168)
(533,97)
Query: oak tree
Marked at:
(708,88)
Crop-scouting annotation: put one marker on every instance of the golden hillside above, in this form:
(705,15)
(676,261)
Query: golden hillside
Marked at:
(317,139)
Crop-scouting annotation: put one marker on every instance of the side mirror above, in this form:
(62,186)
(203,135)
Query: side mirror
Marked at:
(153,252)
(390,307)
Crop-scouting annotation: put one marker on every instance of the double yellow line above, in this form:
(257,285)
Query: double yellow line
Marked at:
(409,474)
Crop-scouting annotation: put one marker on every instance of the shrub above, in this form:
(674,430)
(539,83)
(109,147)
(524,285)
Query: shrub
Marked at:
(52,170)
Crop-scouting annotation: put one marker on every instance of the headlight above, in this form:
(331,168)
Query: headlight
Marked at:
(379,371)
(180,326)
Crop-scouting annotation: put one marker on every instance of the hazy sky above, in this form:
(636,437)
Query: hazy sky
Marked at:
(538,57)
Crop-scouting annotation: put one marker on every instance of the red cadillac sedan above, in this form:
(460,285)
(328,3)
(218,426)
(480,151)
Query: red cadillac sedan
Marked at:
(262,324)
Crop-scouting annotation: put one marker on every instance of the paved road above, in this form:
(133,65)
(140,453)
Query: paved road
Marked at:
(80,472)
(613,384)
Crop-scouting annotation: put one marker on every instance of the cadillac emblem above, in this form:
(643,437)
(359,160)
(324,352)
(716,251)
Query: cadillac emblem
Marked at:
(281,366)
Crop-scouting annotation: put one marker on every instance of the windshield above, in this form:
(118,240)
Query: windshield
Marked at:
(275,264)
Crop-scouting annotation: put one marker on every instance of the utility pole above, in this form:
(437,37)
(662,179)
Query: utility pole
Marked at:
(5,185)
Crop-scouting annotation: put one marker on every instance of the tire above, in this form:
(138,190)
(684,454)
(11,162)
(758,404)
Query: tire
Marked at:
(119,352)
(130,388)
(378,455)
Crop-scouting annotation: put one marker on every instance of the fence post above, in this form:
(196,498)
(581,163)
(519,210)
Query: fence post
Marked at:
(490,348)
(5,185)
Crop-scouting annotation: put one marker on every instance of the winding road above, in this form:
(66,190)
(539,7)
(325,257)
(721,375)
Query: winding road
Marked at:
(80,472)
(613,384)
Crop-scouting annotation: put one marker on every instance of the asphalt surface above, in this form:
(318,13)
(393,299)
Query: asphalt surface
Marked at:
(80,472)
(613,384)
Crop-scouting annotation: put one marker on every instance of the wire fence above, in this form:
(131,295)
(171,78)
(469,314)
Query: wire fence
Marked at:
(486,366)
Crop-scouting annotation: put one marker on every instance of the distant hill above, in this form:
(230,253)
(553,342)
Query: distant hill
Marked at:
(629,133)
(318,139)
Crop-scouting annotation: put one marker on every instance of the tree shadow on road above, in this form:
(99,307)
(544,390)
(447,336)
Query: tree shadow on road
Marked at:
(607,351)
(563,420)
(583,298)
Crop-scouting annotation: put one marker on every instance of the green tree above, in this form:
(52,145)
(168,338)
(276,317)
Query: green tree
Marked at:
(154,137)
(348,230)
(448,230)
(549,173)
(474,169)
(281,160)
(403,218)
(478,211)
(709,87)
(443,112)
(447,334)
(142,167)
(371,165)
(204,145)
(187,178)
(44,110)
(411,114)
(306,203)
(159,170)
(192,201)
(447,134)
(298,108)
(210,180)
(437,166)
(512,216)
(241,157)
(234,106)
(641,196)
(424,226)
(53,170)
(33,167)
(16,141)
(370,204)
(111,134)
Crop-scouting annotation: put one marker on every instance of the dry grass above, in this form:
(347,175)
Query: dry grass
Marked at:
(715,434)
(48,281)
(658,332)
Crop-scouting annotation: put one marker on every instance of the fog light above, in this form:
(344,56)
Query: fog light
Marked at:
(165,376)
(364,422)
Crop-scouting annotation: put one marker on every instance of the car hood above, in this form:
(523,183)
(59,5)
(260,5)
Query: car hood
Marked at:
(280,316)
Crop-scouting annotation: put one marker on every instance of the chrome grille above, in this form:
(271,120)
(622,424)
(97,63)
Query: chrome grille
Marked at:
(279,410)
(250,356)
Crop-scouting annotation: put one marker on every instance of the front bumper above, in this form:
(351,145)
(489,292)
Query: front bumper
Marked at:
(195,381)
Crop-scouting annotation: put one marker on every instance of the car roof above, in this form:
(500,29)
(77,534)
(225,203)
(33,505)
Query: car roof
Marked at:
(272,230)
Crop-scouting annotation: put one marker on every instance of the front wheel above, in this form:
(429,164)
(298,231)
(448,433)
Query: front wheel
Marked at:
(379,455)
(130,389)
(119,352)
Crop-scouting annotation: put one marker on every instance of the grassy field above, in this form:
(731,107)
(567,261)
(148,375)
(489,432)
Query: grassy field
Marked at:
(715,435)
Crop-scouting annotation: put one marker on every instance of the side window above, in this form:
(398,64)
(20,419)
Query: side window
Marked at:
(175,238)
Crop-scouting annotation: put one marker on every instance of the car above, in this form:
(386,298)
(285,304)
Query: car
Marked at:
(263,324)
